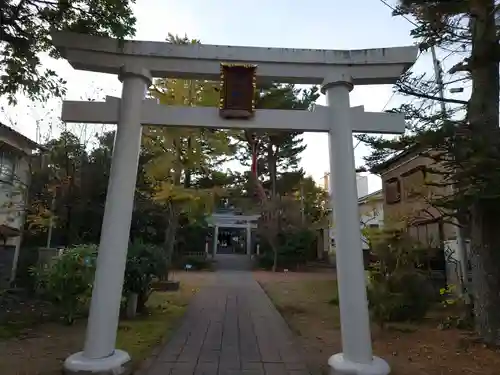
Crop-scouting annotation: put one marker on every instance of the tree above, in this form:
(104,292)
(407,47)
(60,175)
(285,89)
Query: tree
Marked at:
(465,149)
(180,156)
(25,27)
(278,215)
(313,200)
(278,151)
(57,188)
(269,151)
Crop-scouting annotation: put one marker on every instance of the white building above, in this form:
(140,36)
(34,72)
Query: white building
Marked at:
(371,211)
(361,183)
(15,154)
(370,205)
(371,214)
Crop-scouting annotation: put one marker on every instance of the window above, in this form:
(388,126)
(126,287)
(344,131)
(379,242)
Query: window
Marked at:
(414,182)
(392,190)
(427,234)
(7,166)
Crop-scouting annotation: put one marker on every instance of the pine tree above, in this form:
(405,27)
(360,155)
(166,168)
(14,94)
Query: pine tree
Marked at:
(465,149)
(278,152)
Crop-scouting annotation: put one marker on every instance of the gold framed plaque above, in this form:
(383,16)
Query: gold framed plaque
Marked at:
(237,94)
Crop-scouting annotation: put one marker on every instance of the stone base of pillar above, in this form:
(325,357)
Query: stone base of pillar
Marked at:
(116,364)
(341,366)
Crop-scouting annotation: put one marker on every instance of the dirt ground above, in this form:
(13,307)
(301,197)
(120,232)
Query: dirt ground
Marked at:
(303,299)
(42,349)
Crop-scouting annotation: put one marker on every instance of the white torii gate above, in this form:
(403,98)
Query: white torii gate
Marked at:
(219,220)
(135,63)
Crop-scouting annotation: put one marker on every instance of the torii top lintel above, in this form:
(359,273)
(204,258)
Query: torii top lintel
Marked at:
(301,66)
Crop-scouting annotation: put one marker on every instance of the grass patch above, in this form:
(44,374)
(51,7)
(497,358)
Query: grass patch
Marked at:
(305,299)
(140,335)
(47,345)
(15,328)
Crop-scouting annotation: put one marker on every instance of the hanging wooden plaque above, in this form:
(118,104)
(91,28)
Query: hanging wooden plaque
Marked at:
(237,94)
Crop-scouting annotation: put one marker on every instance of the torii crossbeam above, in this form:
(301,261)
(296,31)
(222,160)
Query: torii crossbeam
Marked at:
(136,62)
(153,113)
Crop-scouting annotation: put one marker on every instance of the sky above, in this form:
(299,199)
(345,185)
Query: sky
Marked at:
(323,24)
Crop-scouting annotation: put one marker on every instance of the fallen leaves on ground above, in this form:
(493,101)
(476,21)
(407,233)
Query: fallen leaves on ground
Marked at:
(305,301)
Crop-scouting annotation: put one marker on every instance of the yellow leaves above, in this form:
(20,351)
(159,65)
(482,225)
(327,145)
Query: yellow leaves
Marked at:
(188,198)
(179,153)
(169,192)
(183,92)
(161,168)
(40,217)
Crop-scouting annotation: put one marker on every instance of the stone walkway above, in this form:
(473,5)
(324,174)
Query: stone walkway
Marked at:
(230,328)
(232,262)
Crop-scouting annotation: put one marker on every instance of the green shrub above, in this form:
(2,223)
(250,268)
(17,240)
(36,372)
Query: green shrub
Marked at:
(67,283)
(28,259)
(399,289)
(265,261)
(191,237)
(399,297)
(144,262)
(461,310)
(295,247)
(294,250)
(197,263)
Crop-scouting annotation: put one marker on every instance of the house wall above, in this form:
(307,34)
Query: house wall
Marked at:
(16,151)
(413,205)
(13,195)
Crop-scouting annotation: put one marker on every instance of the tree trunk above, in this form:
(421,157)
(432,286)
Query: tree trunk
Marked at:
(170,232)
(271,161)
(483,122)
(485,260)
(187,171)
(275,258)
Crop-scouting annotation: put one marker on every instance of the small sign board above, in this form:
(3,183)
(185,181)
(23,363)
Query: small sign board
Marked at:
(237,94)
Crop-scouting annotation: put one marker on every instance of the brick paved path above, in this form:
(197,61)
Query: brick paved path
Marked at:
(230,328)
(232,262)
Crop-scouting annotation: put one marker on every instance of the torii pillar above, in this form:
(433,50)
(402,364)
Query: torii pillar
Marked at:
(356,357)
(99,354)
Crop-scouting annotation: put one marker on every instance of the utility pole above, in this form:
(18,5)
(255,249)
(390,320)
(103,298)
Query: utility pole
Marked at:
(438,72)
(462,248)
